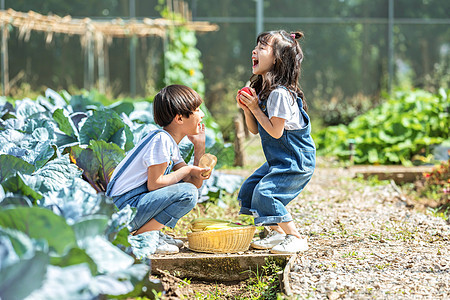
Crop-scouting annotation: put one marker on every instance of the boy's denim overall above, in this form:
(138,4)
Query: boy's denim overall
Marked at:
(166,205)
(289,167)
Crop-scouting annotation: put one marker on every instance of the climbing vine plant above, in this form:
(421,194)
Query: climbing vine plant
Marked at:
(182,63)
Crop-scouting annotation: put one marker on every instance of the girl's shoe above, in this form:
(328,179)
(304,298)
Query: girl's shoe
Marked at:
(170,240)
(290,245)
(270,241)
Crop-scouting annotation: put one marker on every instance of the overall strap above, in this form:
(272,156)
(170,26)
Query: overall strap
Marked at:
(129,160)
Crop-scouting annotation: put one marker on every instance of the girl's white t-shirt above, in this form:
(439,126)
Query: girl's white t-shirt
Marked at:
(281,104)
(162,148)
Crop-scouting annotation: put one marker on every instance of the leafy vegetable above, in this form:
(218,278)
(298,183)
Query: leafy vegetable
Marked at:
(60,236)
(411,123)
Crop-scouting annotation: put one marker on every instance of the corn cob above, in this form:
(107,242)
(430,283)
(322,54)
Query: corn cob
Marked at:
(200,223)
(221,226)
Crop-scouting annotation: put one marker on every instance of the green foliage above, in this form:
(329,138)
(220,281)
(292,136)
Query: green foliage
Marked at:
(58,232)
(182,60)
(338,110)
(33,221)
(105,124)
(44,253)
(436,184)
(410,123)
(97,161)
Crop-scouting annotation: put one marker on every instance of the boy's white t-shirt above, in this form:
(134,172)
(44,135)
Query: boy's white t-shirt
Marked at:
(162,148)
(281,104)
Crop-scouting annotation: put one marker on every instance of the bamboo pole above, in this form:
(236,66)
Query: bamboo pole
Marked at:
(239,156)
(99,47)
(4,61)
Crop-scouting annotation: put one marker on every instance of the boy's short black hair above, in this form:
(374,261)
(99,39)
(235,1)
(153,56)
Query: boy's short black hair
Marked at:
(174,100)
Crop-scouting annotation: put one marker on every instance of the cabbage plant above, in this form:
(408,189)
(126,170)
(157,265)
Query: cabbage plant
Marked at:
(60,236)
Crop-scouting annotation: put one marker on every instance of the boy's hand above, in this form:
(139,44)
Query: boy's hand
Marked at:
(198,139)
(197,172)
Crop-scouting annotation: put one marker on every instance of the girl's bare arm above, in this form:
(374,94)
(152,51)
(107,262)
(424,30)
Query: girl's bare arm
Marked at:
(274,126)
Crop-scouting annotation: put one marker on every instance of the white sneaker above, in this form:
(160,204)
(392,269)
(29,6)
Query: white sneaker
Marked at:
(165,248)
(170,240)
(271,240)
(290,245)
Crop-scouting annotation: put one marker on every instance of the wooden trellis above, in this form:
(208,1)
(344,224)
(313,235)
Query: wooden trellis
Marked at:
(94,35)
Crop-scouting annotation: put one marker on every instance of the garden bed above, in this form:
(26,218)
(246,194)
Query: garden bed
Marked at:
(215,267)
(399,174)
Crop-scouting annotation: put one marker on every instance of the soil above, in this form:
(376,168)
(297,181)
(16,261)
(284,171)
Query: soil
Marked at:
(176,288)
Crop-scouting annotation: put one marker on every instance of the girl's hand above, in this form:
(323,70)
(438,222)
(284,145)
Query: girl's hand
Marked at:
(198,139)
(241,103)
(246,101)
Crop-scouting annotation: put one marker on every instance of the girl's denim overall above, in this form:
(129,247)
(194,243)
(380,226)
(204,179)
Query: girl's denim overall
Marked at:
(166,205)
(289,167)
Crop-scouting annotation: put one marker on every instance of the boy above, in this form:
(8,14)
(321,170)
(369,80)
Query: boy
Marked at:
(154,178)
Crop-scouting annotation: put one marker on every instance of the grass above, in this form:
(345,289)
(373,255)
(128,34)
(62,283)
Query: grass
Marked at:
(262,284)
(440,212)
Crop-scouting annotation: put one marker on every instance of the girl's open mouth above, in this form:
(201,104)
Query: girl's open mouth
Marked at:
(255,62)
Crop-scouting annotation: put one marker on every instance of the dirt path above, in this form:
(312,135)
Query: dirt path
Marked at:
(367,243)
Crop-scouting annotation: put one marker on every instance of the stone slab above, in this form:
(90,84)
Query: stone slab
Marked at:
(215,267)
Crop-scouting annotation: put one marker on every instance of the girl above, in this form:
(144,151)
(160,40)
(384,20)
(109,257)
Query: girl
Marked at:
(277,111)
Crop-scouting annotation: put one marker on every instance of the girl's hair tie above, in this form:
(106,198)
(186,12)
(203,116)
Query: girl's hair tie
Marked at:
(293,36)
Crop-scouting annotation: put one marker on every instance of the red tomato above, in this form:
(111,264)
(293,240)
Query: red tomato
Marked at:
(247,90)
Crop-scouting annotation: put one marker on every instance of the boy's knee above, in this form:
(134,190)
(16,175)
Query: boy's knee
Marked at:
(189,193)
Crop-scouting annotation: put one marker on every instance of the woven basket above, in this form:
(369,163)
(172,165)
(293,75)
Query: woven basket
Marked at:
(229,240)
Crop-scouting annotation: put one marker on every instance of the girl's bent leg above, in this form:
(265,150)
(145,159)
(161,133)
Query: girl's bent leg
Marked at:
(289,228)
(246,191)
(165,206)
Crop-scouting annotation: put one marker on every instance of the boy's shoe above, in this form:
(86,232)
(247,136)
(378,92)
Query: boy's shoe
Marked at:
(144,244)
(170,240)
(165,248)
(290,245)
(270,241)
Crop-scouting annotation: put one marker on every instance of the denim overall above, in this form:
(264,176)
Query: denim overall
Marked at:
(166,205)
(289,167)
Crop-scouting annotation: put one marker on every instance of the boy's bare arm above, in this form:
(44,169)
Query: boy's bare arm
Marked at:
(195,176)
(157,179)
